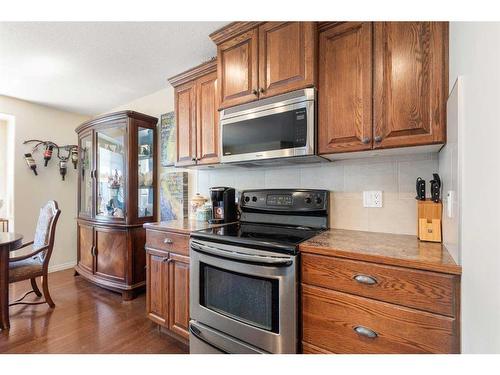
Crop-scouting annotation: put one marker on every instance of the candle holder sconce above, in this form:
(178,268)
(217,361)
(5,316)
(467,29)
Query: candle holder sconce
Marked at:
(64,153)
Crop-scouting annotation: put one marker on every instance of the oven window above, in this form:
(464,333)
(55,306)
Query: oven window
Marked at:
(249,299)
(273,132)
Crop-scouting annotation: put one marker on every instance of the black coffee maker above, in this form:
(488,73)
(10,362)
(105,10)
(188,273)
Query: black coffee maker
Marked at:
(223,205)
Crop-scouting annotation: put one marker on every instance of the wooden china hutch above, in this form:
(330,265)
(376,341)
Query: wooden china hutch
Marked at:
(117,194)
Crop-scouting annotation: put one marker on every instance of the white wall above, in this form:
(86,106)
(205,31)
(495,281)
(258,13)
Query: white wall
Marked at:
(30,191)
(475,54)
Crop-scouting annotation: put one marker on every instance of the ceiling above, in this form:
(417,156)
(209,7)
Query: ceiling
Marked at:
(92,67)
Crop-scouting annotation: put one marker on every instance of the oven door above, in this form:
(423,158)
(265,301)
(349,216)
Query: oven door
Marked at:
(282,126)
(245,293)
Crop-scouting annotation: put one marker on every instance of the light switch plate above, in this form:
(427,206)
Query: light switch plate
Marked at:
(372,198)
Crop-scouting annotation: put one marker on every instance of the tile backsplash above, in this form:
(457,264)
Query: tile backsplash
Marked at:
(346,180)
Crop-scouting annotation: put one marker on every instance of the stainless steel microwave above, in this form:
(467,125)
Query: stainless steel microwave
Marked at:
(270,129)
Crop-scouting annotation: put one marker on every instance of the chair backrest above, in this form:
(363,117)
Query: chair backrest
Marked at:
(45,230)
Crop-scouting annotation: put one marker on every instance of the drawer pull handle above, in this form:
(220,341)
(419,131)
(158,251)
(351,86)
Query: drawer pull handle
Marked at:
(168,241)
(367,332)
(365,279)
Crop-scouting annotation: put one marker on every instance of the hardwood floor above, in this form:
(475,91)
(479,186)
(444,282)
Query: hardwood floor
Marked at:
(87,319)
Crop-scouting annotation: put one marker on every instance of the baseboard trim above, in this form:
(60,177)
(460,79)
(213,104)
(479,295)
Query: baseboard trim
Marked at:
(63,266)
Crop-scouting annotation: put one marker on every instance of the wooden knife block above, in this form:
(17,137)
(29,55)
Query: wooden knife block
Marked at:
(429,220)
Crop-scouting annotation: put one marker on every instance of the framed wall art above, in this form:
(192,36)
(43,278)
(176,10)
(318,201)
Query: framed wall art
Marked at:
(167,139)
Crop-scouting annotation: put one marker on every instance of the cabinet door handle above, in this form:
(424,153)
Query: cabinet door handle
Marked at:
(366,332)
(255,92)
(261,90)
(365,140)
(93,251)
(193,159)
(378,138)
(168,241)
(365,279)
(167,260)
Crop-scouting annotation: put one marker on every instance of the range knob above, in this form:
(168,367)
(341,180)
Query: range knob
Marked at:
(318,200)
(308,200)
(247,199)
(254,199)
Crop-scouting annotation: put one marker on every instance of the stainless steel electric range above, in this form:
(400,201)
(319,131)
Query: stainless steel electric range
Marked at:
(244,276)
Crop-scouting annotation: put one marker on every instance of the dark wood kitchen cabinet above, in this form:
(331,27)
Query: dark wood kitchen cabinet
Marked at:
(116,196)
(262,59)
(408,65)
(410,83)
(197,118)
(345,87)
(167,280)
(367,293)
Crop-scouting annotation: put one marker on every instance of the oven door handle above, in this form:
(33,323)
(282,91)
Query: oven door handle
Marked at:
(275,261)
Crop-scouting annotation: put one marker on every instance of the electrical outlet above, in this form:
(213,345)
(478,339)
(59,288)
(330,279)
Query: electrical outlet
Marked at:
(372,198)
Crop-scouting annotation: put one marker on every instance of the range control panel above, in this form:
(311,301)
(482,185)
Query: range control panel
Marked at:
(290,200)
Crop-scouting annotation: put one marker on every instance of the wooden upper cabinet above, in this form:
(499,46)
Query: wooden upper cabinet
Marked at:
(287,53)
(410,83)
(196,114)
(207,124)
(345,88)
(238,69)
(262,59)
(185,114)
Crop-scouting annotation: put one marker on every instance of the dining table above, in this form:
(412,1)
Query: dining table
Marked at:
(8,242)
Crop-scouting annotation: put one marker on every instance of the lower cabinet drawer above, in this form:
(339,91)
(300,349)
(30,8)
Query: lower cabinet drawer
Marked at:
(171,242)
(343,323)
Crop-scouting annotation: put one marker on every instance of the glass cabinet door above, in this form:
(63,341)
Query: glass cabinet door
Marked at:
(86,165)
(110,177)
(145,195)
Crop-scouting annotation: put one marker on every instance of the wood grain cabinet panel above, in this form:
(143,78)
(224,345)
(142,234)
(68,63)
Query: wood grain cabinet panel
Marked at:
(85,247)
(410,83)
(157,287)
(111,253)
(185,113)
(345,88)
(287,52)
(167,282)
(429,291)
(343,323)
(179,295)
(207,124)
(238,69)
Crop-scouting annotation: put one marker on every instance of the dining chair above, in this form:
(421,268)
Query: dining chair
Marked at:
(36,263)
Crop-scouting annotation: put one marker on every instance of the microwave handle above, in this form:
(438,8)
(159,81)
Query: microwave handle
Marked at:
(275,261)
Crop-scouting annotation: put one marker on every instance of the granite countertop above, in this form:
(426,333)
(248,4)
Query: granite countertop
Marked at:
(385,248)
(183,226)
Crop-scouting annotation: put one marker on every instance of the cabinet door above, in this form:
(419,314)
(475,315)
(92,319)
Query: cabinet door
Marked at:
(185,112)
(179,294)
(345,88)
(238,69)
(410,83)
(111,172)
(286,57)
(207,120)
(85,180)
(157,287)
(111,253)
(85,247)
